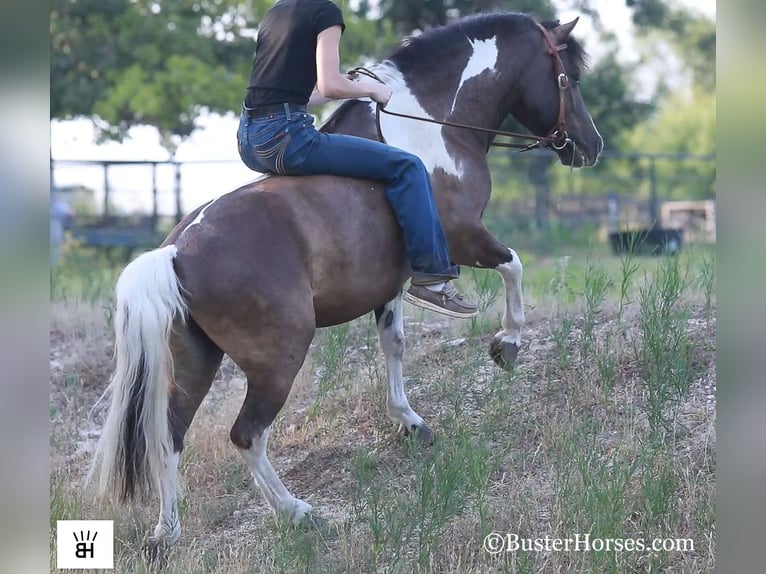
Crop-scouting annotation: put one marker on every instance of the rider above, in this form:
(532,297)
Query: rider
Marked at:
(297,49)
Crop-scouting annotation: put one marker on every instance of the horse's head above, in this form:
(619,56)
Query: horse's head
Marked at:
(472,73)
(549,102)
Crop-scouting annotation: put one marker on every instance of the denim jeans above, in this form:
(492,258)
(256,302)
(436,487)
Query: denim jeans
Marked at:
(289,144)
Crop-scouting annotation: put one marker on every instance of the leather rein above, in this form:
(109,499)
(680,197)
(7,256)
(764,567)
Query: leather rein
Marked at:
(556,138)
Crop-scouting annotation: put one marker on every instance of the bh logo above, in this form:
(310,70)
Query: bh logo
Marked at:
(84,547)
(84,544)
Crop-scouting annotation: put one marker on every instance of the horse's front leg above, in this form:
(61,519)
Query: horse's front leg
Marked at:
(390,322)
(505,346)
(474,246)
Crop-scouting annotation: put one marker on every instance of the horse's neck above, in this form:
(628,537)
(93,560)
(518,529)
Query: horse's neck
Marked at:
(469,101)
(472,93)
(465,85)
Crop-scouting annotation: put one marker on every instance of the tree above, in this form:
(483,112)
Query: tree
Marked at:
(160,62)
(692,36)
(685,124)
(407,16)
(164,62)
(608,91)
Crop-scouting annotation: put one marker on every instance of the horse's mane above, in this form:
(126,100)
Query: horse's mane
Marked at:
(429,45)
(423,50)
(575,49)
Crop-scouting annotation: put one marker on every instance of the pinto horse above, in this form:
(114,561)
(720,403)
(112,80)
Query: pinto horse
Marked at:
(254,272)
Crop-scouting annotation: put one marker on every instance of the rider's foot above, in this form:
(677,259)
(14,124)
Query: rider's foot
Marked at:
(447,301)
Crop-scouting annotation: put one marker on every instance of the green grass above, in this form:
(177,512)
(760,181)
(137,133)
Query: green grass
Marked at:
(601,429)
(84,274)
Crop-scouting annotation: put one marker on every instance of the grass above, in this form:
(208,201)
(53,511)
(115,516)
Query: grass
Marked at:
(603,429)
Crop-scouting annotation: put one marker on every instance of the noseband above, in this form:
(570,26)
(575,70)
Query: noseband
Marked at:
(556,138)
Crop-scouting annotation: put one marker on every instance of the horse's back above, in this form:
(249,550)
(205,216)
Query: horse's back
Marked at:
(332,239)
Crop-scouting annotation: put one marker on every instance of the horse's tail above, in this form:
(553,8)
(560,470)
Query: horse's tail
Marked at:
(136,436)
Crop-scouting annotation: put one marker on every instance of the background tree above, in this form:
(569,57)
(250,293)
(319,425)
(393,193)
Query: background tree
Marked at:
(407,16)
(163,62)
(166,62)
(158,63)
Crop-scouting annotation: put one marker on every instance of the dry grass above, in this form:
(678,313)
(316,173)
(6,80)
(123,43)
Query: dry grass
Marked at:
(568,443)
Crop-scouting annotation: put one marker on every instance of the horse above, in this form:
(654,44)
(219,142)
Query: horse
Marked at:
(254,272)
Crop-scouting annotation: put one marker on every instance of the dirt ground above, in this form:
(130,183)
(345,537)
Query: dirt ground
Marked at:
(313,448)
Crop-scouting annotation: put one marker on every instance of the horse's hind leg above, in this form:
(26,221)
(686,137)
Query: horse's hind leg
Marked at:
(271,358)
(505,346)
(196,359)
(390,324)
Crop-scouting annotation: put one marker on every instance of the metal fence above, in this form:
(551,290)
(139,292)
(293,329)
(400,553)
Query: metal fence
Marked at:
(535,190)
(135,203)
(124,202)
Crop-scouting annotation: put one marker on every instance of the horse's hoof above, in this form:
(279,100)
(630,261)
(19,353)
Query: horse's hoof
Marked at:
(313,522)
(503,352)
(421,433)
(156,552)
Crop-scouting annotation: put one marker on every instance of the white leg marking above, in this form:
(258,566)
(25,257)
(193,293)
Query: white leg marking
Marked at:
(168,529)
(513,318)
(279,498)
(483,57)
(391,335)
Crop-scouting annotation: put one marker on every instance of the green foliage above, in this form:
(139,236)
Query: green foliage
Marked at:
(665,353)
(83,274)
(684,124)
(365,40)
(407,16)
(166,62)
(693,37)
(159,63)
(608,92)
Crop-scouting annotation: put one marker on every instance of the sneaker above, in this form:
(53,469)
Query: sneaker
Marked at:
(447,301)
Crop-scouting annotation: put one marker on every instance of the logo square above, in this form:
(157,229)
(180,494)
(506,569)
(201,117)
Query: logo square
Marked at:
(84,544)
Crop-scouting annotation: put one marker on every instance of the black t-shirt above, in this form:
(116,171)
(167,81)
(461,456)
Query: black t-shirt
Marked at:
(284,69)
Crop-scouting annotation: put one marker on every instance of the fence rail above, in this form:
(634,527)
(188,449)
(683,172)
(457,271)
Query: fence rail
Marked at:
(133,203)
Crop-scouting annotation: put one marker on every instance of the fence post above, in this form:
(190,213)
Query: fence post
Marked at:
(177,191)
(154,196)
(106,189)
(654,203)
(613,212)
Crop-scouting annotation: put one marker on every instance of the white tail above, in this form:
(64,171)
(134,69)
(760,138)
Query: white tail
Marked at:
(136,438)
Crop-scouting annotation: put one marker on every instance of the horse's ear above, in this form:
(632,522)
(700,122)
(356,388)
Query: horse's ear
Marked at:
(562,31)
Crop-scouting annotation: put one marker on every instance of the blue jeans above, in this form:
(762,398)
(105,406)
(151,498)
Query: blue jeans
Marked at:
(289,144)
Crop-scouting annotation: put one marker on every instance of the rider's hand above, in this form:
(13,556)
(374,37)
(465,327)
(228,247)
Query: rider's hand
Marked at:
(381,94)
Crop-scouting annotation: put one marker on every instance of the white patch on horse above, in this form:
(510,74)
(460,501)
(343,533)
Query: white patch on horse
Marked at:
(483,57)
(423,139)
(200,216)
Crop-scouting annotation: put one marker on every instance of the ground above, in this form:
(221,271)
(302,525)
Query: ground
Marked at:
(605,427)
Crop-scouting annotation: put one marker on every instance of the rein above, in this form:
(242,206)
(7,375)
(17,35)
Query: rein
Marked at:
(557,137)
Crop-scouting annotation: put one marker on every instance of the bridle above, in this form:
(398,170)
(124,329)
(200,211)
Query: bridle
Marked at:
(557,138)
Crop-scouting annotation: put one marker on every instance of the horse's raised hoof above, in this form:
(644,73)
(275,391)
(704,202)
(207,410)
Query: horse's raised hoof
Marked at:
(503,352)
(421,433)
(156,552)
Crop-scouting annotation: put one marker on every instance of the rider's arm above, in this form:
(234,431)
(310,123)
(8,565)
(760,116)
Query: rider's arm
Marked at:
(334,85)
(317,99)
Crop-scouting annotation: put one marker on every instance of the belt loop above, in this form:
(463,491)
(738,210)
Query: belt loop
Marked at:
(287,110)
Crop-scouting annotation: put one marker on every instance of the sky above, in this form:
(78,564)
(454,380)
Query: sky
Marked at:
(215,140)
